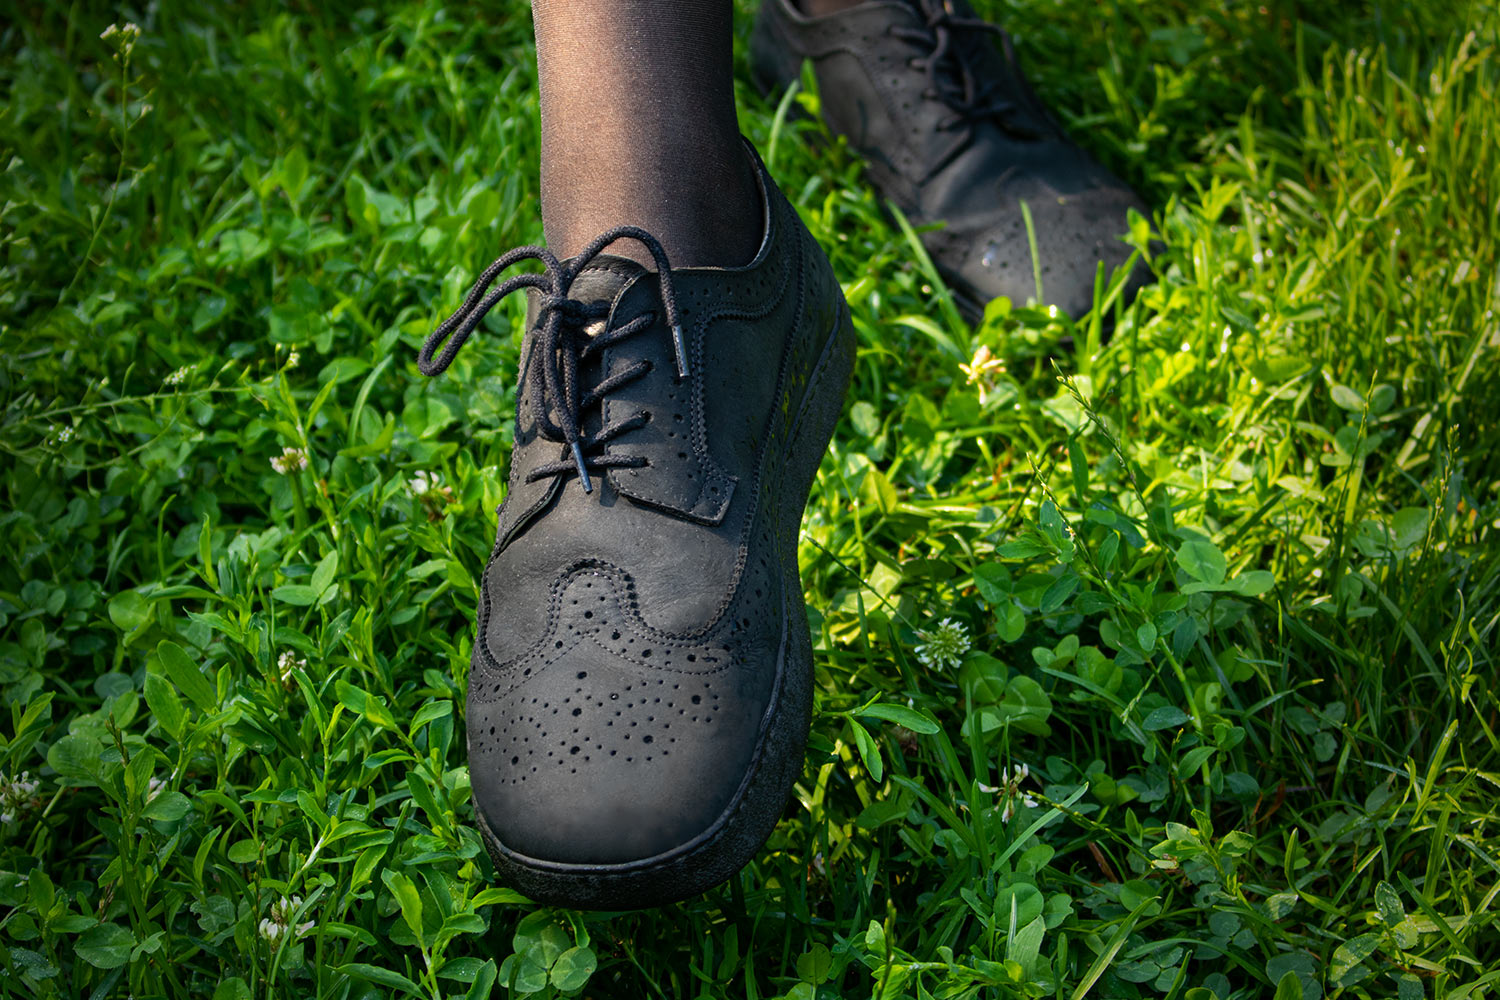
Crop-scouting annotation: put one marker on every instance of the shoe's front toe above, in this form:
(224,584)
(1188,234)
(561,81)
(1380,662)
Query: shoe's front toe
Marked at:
(987,254)
(608,747)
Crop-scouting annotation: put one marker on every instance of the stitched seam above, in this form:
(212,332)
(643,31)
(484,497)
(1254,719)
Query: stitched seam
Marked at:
(606,571)
(725,822)
(843,46)
(487,657)
(482,611)
(700,432)
(715,619)
(706,461)
(523,402)
(757,485)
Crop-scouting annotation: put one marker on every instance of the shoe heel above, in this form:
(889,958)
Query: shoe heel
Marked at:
(818,415)
(823,402)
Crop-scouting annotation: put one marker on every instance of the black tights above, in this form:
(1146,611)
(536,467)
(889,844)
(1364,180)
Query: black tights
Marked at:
(639,128)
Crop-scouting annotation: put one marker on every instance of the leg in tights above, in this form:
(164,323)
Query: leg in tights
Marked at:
(639,128)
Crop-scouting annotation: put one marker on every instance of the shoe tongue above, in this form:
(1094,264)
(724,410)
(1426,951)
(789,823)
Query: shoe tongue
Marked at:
(601,282)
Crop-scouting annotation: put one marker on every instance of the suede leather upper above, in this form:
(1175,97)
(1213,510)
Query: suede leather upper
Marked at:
(630,638)
(970,174)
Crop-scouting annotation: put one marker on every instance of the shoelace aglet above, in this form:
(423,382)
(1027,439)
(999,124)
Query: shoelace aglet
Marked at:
(583,472)
(680,350)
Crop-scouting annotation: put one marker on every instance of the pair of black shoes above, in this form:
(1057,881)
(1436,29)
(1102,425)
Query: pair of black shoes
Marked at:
(641,685)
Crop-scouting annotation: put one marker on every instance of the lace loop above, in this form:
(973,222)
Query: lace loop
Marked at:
(560,345)
(949,77)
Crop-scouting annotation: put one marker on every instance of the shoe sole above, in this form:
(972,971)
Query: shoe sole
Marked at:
(746,823)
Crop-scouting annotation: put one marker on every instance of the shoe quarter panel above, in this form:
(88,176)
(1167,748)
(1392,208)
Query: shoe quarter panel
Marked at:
(682,475)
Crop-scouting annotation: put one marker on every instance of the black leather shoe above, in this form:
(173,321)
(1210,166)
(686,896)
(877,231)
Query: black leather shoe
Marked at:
(953,133)
(640,692)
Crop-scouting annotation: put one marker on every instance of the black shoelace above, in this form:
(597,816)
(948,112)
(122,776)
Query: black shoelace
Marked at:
(561,344)
(949,77)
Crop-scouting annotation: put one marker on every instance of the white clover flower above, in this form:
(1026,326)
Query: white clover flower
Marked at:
(1010,789)
(279,924)
(422,483)
(429,489)
(944,646)
(177,377)
(289,461)
(287,662)
(122,37)
(17,795)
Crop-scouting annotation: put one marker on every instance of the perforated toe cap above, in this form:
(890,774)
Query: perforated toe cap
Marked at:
(592,763)
(610,743)
(991,256)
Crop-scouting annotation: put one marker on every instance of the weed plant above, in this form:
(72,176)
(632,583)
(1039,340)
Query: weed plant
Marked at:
(1161,665)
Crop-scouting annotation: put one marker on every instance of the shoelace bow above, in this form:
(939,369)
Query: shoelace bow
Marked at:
(959,89)
(561,344)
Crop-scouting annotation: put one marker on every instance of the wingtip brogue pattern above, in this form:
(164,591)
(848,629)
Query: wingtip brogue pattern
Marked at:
(641,682)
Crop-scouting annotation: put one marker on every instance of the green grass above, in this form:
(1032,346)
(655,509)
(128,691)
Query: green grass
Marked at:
(1228,587)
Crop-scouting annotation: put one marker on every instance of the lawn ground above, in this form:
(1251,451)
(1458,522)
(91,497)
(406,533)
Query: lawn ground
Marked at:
(1165,667)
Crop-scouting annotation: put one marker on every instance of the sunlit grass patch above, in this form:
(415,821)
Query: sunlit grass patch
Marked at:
(1157,667)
